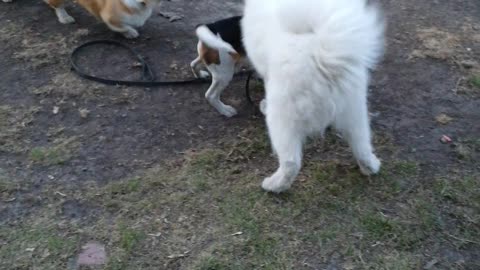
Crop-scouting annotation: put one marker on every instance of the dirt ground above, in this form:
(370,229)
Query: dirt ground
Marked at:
(157,179)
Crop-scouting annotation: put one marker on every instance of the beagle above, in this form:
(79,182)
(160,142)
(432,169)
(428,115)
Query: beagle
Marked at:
(221,50)
(119,15)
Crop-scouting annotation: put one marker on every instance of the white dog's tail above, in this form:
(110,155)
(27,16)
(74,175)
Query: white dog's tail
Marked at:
(343,32)
(211,40)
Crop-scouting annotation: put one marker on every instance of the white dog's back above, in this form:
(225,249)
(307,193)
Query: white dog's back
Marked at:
(314,56)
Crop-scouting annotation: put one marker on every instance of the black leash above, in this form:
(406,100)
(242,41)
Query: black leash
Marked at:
(148,78)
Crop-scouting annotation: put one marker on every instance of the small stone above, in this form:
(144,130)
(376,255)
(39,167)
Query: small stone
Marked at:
(84,113)
(56,110)
(174,66)
(137,65)
(443,119)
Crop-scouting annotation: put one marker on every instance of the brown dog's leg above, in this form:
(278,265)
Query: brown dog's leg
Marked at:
(62,14)
(126,30)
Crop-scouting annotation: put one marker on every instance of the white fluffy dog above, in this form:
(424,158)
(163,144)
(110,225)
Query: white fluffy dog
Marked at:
(314,56)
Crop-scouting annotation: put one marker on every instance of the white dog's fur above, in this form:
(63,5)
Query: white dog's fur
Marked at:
(314,56)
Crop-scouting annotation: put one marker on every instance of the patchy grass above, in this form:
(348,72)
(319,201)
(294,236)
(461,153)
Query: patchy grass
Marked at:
(462,191)
(129,238)
(38,52)
(405,168)
(42,244)
(475,81)
(207,211)
(13,122)
(58,154)
(377,225)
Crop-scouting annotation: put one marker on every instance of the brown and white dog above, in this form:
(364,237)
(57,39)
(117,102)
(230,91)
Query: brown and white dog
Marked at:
(121,16)
(221,50)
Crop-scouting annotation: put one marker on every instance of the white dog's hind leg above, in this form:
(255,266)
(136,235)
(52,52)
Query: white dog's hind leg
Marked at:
(287,141)
(221,76)
(354,124)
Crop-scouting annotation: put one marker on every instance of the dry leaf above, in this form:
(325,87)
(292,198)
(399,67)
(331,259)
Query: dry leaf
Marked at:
(60,193)
(443,119)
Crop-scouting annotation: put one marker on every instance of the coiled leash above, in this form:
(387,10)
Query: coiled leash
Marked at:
(148,78)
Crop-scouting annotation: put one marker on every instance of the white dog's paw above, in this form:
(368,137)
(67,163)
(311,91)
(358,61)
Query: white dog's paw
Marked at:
(131,33)
(370,167)
(66,19)
(276,184)
(228,111)
(263,106)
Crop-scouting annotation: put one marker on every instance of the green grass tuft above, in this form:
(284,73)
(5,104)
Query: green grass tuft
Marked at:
(130,238)
(211,263)
(48,156)
(475,81)
(377,226)
(58,154)
(406,168)
(126,187)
